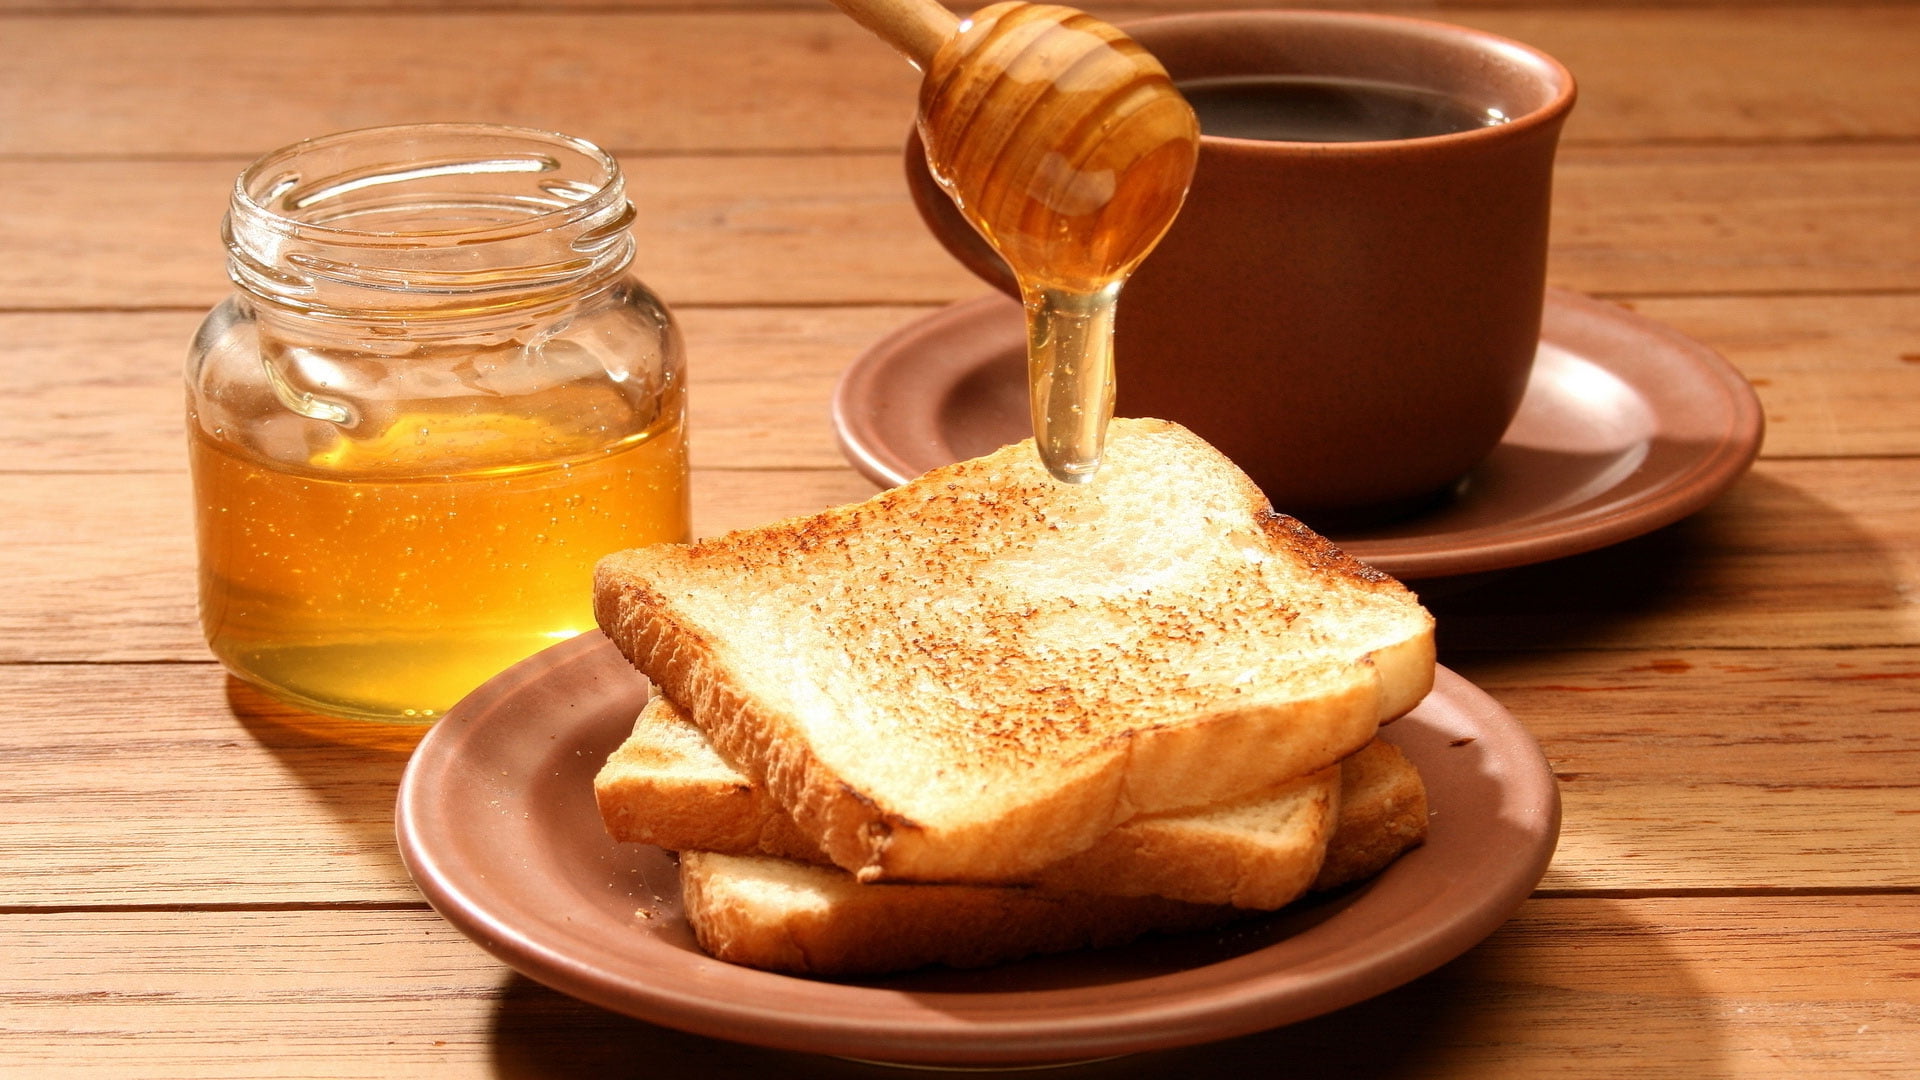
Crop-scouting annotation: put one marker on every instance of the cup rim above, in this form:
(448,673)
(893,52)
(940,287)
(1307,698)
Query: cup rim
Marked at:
(1553,111)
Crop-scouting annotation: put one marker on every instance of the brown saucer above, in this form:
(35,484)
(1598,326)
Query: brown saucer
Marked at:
(1627,425)
(497,824)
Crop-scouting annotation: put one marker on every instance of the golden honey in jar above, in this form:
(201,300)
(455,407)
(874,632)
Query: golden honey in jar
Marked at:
(435,398)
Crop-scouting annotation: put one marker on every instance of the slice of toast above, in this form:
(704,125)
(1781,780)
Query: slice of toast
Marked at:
(813,920)
(983,671)
(1383,813)
(667,786)
(805,919)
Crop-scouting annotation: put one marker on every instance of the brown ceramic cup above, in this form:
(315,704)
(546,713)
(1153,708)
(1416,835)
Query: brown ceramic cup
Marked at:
(1352,322)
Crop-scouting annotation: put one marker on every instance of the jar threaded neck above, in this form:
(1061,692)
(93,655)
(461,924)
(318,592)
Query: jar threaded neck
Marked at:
(428,221)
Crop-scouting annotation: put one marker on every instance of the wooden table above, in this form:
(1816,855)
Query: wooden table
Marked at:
(199,883)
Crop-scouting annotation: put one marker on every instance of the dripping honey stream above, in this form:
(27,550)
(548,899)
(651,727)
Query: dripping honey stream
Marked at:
(1068,148)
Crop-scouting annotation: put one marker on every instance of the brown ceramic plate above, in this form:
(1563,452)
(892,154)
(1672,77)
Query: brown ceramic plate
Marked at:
(1627,425)
(496,822)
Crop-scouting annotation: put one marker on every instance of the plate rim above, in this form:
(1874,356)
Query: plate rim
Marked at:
(1739,427)
(1045,1028)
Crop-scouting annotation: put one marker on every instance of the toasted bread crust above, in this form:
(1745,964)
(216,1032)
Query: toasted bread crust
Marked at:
(848,827)
(974,675)
(873,929)
(648,794)
(1173,855)
(1383,814)
(667,786)
(783,916)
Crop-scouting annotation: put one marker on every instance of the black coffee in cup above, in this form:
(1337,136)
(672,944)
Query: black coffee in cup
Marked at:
(1294,108)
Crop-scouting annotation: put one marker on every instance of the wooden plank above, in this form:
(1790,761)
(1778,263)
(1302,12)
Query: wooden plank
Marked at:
(94,391)
(124,83)
(1728,702)
(183,785)
(127,84)
(801,229)
(1763,769)
(1685,73)
(1733,219)
(842,229)
(1585,989)
(1785,769)
(1797,553)
(99,391)
(1835,374)
(1111,9)
(100,567)
(763,379)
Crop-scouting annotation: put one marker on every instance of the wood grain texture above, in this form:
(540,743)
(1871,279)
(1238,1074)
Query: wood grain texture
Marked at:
(1726,74)
(198,882)
(1814,784)
(1733,219)
(217,795)
(687,79)
(101,565)
(710,230)
(1106,9)
(842,229)
(100,391)
(1802,554)
(1670,989)
(1799,554)
(1835,374)
(131,85)
(172,783)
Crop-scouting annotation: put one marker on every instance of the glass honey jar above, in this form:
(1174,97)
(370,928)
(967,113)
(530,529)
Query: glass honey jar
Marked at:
(435,397)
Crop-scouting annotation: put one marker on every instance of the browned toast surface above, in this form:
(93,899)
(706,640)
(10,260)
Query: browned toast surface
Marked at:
(980,672)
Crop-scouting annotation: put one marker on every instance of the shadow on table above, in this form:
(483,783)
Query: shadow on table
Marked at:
(352,767)
(1766,552)
(1525,1002)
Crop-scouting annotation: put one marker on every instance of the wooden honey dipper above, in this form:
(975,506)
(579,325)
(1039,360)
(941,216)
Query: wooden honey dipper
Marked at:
(1066,145)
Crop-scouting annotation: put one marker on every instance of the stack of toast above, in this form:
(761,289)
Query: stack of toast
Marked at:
(985,714)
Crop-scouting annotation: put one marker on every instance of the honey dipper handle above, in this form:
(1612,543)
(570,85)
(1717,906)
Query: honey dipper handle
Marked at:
(915,27)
